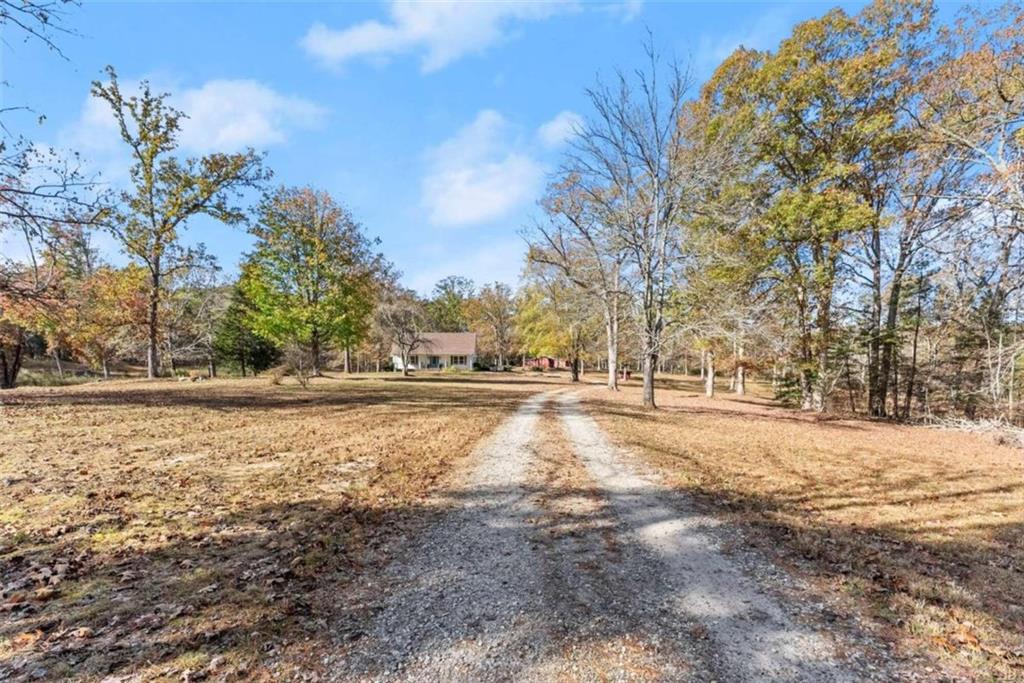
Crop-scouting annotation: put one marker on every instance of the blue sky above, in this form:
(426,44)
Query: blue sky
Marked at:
(437,125)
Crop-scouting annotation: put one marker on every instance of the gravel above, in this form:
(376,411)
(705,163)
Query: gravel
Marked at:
(559,558)
(464,599)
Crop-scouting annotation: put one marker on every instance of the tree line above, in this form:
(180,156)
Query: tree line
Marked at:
(840,216)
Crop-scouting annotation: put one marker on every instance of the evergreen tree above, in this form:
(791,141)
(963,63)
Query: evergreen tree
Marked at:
(235,342)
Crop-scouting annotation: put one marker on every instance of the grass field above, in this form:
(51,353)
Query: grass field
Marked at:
(158,528)
(921,530)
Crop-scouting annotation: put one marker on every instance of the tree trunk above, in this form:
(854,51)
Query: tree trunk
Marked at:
(314,349)
(211,367)
(405,363)
(650,363)
(574,369)
(896,386)
(348,359)
(889,346)
(153,323)
(703,362)
(849,384)
(806,389)
(174,365)
(242,363)
(612,332)
(708,367)
(877,377)
(824,343)
(106,368)
(741,375)
(56,360)
(11,366)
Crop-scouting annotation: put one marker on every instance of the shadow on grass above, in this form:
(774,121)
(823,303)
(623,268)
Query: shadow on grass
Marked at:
(259,587)
(260,583)
(480,378)
(772,413)
(963,593)
(426,396)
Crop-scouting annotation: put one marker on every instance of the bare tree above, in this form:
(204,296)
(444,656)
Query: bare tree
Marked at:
(587,251)
(37,20)
(634,172)
(402,318)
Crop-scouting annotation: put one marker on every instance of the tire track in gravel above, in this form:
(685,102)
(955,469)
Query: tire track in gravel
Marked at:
(606,621)
(464,602)
(752,635)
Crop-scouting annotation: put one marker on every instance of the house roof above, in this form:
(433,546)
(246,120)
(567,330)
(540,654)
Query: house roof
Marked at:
(447,344)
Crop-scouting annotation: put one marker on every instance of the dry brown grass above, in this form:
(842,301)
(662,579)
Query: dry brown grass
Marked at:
(157,528)
(921,529)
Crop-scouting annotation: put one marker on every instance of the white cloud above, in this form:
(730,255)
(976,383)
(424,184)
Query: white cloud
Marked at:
(441,31)
(558,130)
(627,10)
(477,176)
(228,115)
(223,115)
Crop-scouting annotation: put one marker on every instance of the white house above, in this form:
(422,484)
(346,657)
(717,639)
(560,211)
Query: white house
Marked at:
(440,350)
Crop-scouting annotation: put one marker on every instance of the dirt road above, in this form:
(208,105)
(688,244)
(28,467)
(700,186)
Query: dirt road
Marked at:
(560,558)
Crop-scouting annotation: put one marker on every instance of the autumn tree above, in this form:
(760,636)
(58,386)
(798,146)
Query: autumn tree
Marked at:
(554,318)
(972,109)
(43,292)
(446,308)
(491,314)
(108,309)
(166,191)
(311,273)
(814,122)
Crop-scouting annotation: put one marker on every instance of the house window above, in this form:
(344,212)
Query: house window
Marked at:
(458,360)
(414,360)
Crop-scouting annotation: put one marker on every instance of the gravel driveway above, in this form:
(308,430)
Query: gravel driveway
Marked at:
(559,558)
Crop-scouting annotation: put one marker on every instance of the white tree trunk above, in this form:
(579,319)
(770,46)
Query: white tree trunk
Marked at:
(612,333)
(740,379)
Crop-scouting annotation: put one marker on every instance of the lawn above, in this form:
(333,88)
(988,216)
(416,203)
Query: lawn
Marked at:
(232,528)
(920,530)
(158,528)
